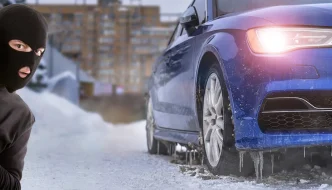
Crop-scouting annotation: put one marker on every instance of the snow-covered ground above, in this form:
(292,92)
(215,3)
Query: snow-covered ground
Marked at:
(71,149)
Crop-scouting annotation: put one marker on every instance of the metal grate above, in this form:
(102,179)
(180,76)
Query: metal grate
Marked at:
(295,121)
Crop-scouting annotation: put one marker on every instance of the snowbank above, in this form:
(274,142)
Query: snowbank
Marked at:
(49,107)
(65,85)
(56,117)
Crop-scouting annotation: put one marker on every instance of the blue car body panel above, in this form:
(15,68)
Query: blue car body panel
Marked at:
(249,77)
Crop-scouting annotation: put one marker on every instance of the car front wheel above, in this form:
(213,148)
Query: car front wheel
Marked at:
(220,153)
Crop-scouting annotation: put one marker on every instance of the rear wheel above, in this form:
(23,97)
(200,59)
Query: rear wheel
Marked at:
(154,146)
(220,153)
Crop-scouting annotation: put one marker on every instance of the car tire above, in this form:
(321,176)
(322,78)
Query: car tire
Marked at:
(220,153)
(153,145)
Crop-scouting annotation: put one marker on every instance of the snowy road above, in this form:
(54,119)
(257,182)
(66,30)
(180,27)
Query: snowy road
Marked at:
(74,150)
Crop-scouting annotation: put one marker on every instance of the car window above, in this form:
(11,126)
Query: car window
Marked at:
(173,35)
(177,32)
(200,6)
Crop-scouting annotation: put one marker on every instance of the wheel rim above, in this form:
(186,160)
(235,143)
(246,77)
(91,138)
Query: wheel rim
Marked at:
(213,120)
(149,125)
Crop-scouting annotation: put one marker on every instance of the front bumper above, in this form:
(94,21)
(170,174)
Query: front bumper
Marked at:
(252,79)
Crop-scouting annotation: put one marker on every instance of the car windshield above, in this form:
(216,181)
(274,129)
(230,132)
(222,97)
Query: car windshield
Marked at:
(234,6)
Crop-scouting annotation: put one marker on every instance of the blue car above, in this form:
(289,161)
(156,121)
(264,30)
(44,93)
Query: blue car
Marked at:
(244,76)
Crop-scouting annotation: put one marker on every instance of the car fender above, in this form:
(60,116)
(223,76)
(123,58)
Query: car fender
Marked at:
(223,46)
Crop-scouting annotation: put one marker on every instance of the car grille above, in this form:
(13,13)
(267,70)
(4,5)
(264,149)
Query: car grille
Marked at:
(294,121)
(320,101)
(293,111)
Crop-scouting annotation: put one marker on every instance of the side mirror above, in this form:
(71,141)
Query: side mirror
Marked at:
(189,20)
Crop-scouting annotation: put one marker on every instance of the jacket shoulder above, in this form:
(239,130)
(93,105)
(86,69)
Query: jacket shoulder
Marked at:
(18,105)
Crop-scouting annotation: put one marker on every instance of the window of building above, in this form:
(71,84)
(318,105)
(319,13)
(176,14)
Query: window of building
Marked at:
(91,17)
(107,32)
(106,40)
(104,17)
(106,24)
(105,72)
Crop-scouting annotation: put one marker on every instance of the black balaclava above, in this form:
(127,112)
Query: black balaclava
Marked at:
(20,22)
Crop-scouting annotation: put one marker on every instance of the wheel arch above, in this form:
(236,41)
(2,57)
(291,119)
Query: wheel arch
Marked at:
(213,52)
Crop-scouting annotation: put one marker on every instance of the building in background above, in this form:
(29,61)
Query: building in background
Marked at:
(72,31)
(114,43)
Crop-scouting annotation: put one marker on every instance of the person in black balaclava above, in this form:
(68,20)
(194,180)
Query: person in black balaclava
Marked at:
(23,33)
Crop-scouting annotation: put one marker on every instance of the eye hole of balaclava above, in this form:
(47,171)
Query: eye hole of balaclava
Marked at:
(18,45)
(23,34)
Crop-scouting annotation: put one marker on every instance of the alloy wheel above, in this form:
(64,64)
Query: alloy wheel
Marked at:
(150,125)
(213,120)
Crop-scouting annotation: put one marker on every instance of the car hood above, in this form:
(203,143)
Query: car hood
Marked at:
(305,15)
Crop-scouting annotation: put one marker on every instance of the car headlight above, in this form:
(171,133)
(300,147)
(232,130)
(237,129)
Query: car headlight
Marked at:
(282,39)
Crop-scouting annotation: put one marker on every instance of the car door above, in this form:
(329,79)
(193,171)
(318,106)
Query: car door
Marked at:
(175,91)
(173,82)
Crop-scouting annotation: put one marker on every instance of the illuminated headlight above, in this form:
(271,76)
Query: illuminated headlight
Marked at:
(283,39)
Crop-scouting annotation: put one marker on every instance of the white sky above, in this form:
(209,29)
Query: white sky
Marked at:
(167,6)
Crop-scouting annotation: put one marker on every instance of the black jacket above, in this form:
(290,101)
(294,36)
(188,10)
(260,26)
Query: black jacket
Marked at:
(16,120)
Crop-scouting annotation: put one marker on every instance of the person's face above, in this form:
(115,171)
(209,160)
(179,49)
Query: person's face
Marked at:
(23,37)
(20,46)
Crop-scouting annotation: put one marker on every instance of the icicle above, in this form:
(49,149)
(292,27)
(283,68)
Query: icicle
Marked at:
(202,161)
(331,151)
(272,162)
(194,155)
(190,158)
(240,164)
(187,156)
(241,154)
(261,160)
(158,147)
(258,163)
(304,152)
